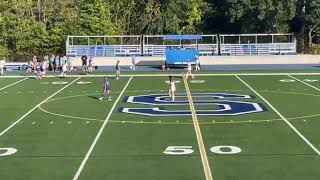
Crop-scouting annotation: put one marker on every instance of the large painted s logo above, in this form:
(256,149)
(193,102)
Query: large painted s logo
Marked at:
(225,107)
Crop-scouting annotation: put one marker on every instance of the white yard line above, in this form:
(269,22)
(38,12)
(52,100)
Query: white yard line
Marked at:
(25,115)
(282,117)
(13,84)
(165,74)
(76,176)
(202,150)
(305,83)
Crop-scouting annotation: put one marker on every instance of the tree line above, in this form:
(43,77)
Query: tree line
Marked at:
(41,26)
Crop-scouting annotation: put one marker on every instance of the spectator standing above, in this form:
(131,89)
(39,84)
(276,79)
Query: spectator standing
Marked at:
(2,63)
(56,63)
(90,65)
(133,60)
(84,59)
(46,59)
(118,70)
(51,62)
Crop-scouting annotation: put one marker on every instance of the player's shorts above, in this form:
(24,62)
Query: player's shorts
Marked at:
(106,88)
(173,88)
(64,69)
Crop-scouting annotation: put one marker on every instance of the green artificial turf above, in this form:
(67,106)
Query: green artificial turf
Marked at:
(52,140)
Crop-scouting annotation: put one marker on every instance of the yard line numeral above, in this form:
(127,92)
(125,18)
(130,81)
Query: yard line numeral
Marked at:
(178,150)
(184,150)
(225,150)
(7,151)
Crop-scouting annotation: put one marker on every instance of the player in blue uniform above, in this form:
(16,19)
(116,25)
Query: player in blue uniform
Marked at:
(106,89)
(38,71)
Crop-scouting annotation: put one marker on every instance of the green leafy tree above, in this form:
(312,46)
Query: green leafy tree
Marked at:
(312,18)
(183,16)
(263,15)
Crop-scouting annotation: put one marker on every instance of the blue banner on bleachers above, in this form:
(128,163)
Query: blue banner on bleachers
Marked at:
(181,56)
(182,37)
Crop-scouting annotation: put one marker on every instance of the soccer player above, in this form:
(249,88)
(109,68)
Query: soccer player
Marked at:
(118,70)
(189,71)
(65,69)
(172,88)
(38,71)
(44,67)
(133,60)
(84,59)
(29,68)
(106,90)
(2,62)
(90,65)
(197,63)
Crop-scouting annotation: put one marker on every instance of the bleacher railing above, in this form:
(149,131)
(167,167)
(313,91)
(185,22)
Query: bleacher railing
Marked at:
(155,45)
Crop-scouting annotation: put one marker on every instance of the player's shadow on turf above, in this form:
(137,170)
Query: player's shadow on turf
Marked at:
(94,97)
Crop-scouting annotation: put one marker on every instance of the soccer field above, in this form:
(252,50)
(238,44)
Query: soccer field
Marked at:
(221,127)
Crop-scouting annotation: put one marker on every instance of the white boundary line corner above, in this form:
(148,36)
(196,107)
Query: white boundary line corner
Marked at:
(83,163)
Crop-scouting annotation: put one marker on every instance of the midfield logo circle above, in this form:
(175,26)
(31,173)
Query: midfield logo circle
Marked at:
(226,107)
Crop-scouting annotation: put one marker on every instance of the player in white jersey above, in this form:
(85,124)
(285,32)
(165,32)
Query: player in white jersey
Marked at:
(2,62)
(45,66)
(197,63)
(172,88)
(189,71)
(65,69)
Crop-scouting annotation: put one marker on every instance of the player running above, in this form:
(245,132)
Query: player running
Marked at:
(172,88)
(189,71)
(118,70)
(106,90)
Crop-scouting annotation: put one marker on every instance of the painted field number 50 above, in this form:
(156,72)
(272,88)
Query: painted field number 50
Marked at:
(7,151)
(178,150)
(184,150)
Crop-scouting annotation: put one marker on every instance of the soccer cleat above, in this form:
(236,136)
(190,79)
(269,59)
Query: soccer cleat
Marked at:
(100,99)
(109,99)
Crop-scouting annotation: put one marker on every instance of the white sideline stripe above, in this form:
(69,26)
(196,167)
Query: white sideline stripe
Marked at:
(304,83)
(76,176)
(13,84)
(25,115)
(282,117)
(177,74)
